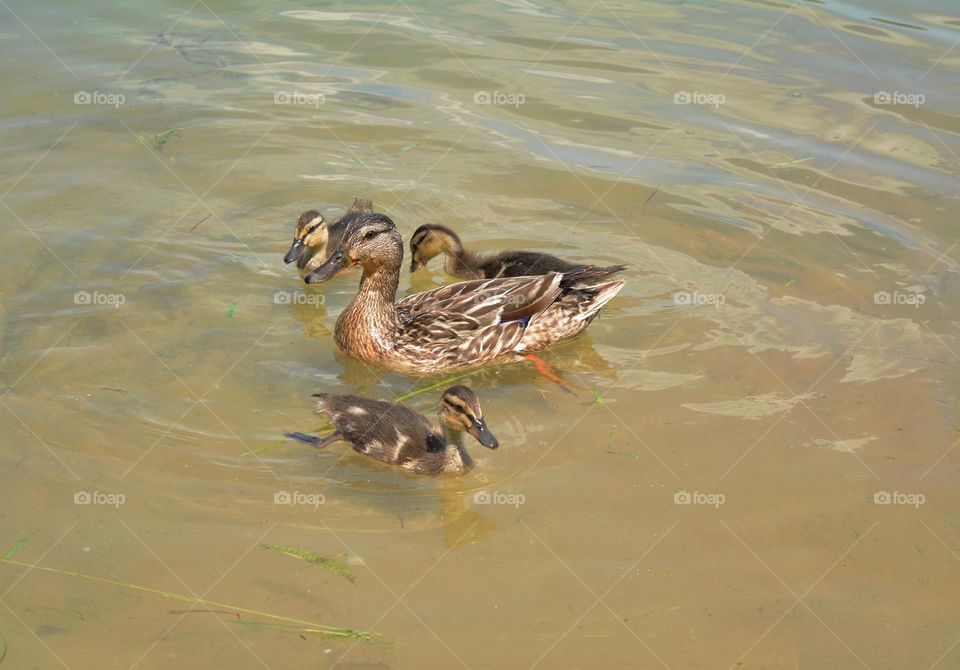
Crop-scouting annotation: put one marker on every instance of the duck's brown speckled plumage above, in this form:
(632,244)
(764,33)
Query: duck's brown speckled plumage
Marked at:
(460,325)
(397,435)
(316,237)
(429,240)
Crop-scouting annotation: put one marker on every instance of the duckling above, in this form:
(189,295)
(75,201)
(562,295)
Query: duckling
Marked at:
(432,239)
(313,235)
(399,436)
(466,324)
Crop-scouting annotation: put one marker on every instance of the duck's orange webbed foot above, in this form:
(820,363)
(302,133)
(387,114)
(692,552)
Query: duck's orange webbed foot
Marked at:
(547,371)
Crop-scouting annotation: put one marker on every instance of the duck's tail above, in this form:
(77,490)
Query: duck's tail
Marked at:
(602,294)
(318,443)
(568,316)
(586,275)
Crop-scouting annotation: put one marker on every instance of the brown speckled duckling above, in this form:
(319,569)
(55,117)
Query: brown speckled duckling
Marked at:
(399,436)
(431,240)
(314,235)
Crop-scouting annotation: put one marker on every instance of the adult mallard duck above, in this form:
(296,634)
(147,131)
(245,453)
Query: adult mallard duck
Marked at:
(397,435)
(431,240)
(459,325)
(314,235)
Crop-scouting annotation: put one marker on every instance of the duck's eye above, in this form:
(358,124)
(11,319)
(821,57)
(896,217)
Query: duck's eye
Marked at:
(370,235)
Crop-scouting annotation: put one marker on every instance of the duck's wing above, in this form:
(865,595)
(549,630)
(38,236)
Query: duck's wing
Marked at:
(451,339)
(485,302)
(470,323)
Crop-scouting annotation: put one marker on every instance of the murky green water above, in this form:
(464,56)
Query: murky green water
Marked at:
(759,470)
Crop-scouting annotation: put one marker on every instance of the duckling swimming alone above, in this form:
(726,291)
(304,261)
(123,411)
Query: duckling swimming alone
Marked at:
(313,235)
(431,240)
(399,436)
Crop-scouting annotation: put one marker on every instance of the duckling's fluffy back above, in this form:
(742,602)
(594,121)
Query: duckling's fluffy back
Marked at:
(390,433)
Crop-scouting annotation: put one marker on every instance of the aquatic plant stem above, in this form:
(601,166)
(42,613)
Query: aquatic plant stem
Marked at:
(325,630)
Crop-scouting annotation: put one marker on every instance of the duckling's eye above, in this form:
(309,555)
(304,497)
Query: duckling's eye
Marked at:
(460,409)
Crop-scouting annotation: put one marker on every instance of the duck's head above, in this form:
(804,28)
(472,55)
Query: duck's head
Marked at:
(309,237)
(430,240)
(371,240)
(460,411)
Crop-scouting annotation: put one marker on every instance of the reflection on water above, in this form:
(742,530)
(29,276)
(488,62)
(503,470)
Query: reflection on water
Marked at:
(780,178)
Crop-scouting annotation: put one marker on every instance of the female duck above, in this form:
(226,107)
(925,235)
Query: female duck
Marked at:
(459,325)
(432,240)
(399,436)
(314,235)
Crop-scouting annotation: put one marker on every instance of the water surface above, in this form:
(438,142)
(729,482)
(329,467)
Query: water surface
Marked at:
(782,180)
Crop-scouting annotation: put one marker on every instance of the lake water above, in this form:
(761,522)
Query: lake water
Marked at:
(759,466)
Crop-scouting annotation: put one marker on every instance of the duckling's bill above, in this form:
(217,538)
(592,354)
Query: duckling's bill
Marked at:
(296,250)
(479,431)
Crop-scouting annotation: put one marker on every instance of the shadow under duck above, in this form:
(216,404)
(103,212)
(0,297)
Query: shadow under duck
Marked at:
(465,324)
(314,235)
(431,240)
(397,435)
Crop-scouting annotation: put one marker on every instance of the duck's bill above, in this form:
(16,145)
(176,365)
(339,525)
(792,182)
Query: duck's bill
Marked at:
(415,264)
(482,434)
(296,250)
(336,264)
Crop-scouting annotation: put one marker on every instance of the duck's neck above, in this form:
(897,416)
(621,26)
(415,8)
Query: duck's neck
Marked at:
(378,286)
(462,263)
(371,319)
(455,449)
